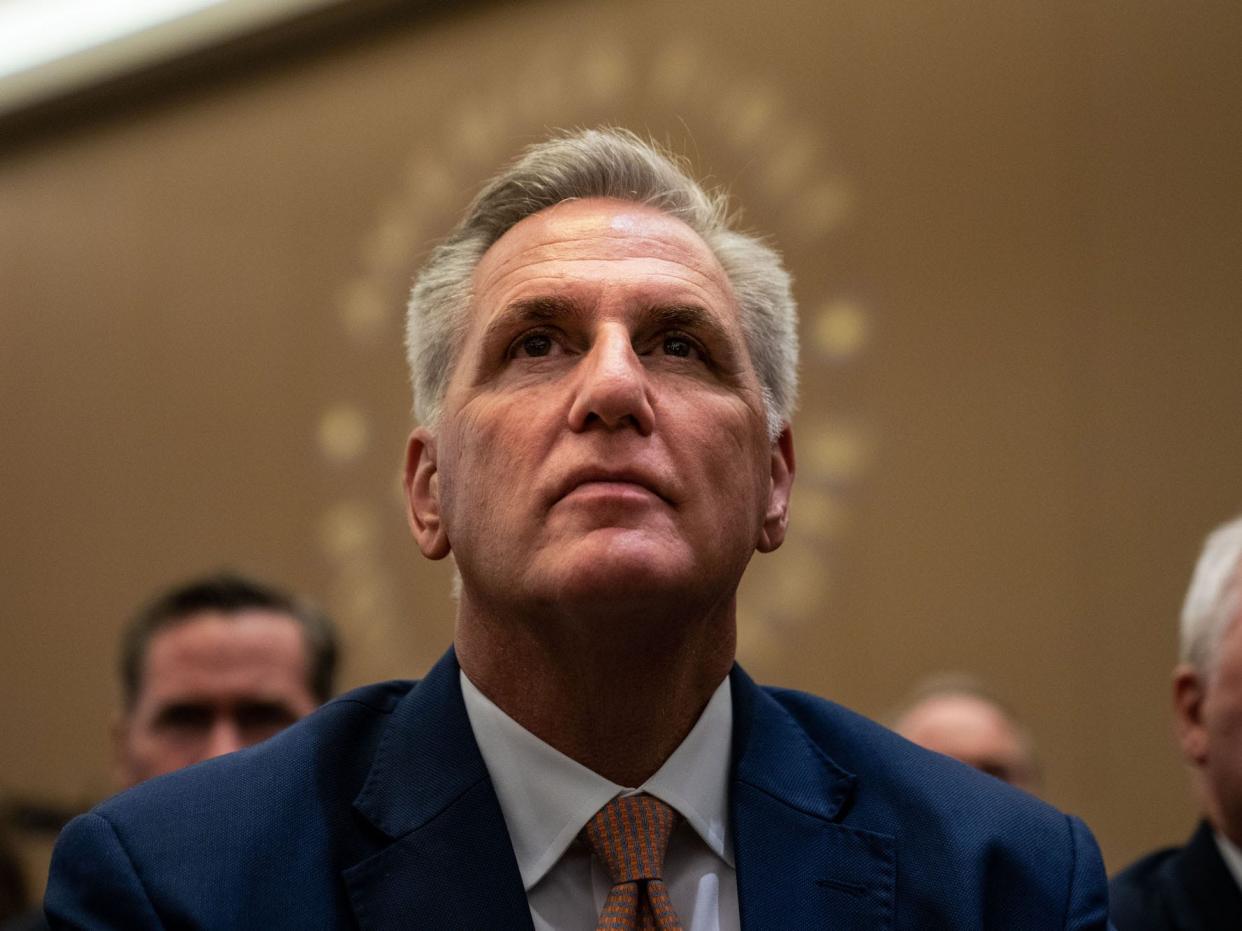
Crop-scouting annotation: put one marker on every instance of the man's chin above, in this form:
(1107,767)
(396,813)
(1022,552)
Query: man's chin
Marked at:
(612,568)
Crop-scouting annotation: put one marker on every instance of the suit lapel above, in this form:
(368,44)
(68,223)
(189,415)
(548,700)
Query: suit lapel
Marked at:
(446,861)
(1199,885)
(797,866)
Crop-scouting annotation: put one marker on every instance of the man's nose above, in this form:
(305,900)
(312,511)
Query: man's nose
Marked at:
(225,737)
(612,388)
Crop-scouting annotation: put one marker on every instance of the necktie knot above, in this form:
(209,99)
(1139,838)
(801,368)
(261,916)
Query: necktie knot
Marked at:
(629,835)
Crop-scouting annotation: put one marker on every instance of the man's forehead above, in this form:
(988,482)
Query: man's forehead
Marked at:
(958,713)
(554,241)
(576,247)
(213,653)
(224,637)
(619,218)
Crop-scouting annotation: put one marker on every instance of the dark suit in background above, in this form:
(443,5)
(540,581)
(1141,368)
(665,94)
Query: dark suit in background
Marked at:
(1178,889)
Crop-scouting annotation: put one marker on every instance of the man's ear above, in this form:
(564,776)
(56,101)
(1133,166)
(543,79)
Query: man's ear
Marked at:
(1189,692)
(776,518)
(422,494)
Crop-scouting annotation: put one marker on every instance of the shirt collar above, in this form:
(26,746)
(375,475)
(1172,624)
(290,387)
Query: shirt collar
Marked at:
(547,798)
(1231,854)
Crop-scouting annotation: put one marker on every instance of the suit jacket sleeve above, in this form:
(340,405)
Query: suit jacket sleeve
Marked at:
(93,884)
(1088,887)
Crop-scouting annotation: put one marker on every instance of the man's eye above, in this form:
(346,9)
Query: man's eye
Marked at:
(183,718)
(534,344)
(679,346)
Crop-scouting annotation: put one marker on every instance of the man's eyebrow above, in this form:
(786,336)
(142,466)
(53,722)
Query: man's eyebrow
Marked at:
(551,309)
(688,317)
(181,704)
(180,709)
(530,312)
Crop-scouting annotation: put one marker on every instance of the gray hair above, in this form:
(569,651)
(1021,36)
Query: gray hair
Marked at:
(1214,597)
(611,163)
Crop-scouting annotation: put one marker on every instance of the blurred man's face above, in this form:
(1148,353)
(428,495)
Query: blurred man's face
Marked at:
(213,684)
(604,430)
(1209,713)
(974,731)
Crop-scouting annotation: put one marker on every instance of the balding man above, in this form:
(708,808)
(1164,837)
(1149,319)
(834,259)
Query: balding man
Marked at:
(1198,887)
(605,375)
(956,716)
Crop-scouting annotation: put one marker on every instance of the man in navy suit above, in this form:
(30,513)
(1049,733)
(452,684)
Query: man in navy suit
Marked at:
(1198,887)
(605,377)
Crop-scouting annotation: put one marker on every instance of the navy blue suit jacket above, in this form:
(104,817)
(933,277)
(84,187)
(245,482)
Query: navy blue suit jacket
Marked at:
(1179,889)
(377,812)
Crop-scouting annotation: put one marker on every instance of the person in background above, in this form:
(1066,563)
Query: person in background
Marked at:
(1198,887)
(955,715)
(210,666)
(213,665)
(605,374)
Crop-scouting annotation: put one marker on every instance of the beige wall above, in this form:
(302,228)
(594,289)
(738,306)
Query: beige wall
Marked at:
(1017,244)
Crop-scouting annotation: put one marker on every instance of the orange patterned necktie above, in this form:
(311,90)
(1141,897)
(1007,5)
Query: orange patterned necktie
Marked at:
(629,836)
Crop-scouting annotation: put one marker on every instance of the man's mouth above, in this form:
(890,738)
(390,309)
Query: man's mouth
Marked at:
(595,481)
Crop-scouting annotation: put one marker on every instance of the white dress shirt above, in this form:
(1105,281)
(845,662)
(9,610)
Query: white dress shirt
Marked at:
(1231,854)
(547,798)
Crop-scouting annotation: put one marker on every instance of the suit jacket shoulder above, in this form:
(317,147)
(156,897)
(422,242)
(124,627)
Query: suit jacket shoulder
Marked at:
(217,844)
(959,849)
(375,813)
(1178,889)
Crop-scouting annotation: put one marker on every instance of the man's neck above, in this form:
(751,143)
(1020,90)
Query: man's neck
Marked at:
(616,694)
